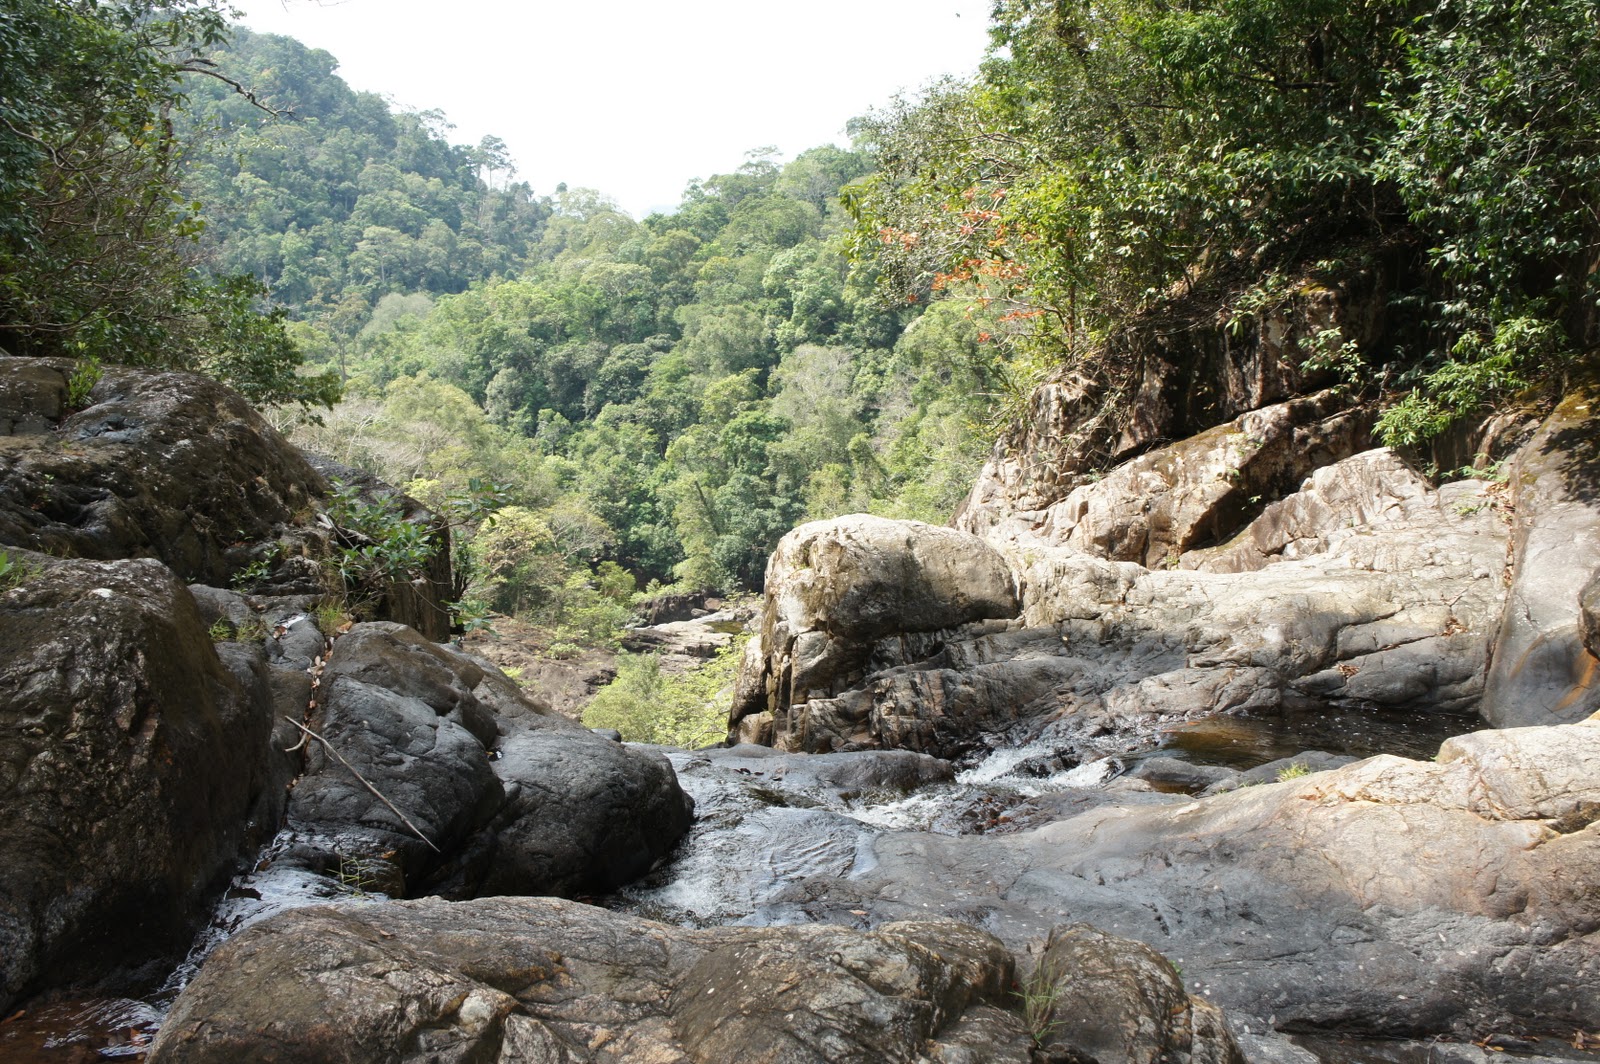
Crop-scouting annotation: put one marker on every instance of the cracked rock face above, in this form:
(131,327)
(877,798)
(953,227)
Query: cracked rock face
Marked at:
(526,979)
(1544,672)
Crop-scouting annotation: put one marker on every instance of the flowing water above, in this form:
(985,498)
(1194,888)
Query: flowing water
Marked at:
(757,839)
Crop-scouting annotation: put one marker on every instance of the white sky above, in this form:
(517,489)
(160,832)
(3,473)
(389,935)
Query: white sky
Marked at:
(634,97)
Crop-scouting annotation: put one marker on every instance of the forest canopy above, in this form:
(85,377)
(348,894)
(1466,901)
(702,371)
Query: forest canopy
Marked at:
(1116,156)
(97,240)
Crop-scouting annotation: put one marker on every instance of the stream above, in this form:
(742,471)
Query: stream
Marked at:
(764,823)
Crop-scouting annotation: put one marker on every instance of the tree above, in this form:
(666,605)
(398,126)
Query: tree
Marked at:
(97,253)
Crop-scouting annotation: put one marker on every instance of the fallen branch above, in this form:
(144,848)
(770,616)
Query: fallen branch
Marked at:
(309,734)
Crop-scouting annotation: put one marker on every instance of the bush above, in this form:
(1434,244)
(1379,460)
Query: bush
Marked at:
(647,706)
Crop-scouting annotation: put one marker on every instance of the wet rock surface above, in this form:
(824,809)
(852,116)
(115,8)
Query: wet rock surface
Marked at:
(134,772)
(540,980)
(1386,896)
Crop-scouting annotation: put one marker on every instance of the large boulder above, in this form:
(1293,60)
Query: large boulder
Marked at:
(835,587)
(171,466)
(1543,673)
(134,771)
(540,980)
(500,794)
(1192,493)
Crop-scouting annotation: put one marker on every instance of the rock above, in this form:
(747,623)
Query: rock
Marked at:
(403,715)
(678,606)
(1589,616)
(1369,490)
(1383,897)
(842,776)
(1182,378)
(1542,671)
(178,467)
(1154,508)
(1114,999)
(33,396)
(558,809)
(166,465)
(683,646)
(583,814)
(1169,773)
(834,587)
(1279,770)
(1367,588)
(536,979)
(135,772)
(1333,595)
(419,602)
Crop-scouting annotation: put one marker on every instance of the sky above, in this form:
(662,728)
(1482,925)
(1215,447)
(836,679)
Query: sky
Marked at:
(637,97)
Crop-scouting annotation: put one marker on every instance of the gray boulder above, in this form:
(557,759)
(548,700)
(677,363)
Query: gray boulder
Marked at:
(1543,673)
(501,795)
(134,772)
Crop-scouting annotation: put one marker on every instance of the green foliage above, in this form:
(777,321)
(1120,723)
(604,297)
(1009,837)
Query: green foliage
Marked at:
(1479,372)
(381,547)
(649,706)
(1039,993)
(97,252)
(85,375)
(14,572)
(1293,771)
(331,617)
(253,575)
(1114,159)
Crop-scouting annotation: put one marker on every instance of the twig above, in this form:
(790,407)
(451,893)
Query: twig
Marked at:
(309,734)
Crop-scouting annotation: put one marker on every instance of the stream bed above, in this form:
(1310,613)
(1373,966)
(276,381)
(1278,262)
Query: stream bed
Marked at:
(766,822)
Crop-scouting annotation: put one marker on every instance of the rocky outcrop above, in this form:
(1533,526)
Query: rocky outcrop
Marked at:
(1177,378)
(1367,587)
(147,726)
(134,771)
(836,587)
(502,796)
(177,467)
(533,979)
(170,466)
(1543,671)
(1387,896)
(1185,495)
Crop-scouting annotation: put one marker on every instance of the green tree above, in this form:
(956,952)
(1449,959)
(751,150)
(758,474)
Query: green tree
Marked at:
(97,251)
